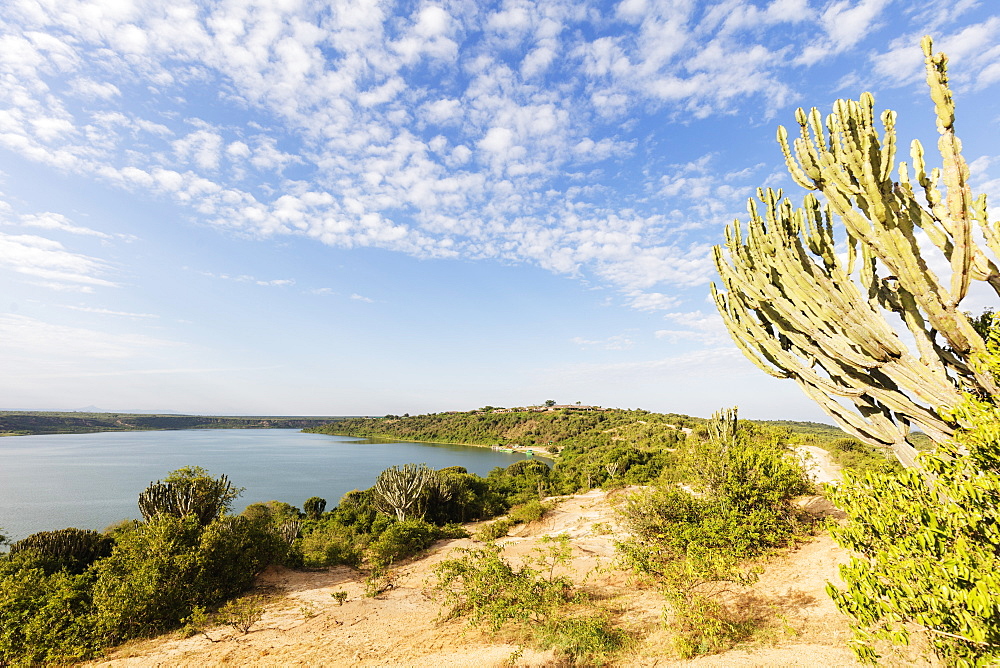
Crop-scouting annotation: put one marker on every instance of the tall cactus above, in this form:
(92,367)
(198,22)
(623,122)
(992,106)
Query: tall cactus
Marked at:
(800,305)
(203,497)
(722,428)
(399,490)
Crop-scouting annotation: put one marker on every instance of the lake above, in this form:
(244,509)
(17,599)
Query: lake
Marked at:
(89,481)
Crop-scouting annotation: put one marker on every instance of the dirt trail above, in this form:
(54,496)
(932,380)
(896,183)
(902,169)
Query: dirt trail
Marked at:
(818,464)
(304,626)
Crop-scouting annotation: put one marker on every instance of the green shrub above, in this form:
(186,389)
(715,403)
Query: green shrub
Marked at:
(483,586)
(582,641)
(691,546)
(702,625)
(530,511)
(494,530)
(926,545)
(401,540)
(45,618)
(379,580)
(158,573)
(242,613)
(493,594)
(332,544)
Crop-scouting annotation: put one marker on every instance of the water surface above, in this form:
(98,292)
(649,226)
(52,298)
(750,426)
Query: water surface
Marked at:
(89,481)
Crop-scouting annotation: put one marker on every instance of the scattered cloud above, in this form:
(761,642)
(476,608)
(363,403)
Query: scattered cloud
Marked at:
(706,328)
(48,260)
(439,133)
(53,341)
(617,342)
(246,278)
(56,221)
(360,298)
(104,311)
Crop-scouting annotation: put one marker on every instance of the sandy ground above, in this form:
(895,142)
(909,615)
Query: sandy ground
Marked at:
(304,626)
(818,464)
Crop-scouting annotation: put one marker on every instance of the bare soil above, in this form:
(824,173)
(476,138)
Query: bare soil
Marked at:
(304,626)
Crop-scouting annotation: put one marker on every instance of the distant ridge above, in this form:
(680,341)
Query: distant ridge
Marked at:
(131,411)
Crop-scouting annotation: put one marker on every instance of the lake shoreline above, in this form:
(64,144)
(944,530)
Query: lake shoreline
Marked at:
(520,450)
(90,481)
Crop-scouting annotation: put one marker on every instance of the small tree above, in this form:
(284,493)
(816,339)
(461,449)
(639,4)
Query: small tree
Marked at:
(314,507)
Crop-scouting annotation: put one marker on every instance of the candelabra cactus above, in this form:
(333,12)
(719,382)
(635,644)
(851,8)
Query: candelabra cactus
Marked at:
(74,549)
(800,306)
(205,498)
(398,490)
(722,428)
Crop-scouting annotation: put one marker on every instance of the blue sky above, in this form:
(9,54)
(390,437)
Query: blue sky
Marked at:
(293,207)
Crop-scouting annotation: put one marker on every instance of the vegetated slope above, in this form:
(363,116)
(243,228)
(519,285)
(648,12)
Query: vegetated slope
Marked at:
(637,443)
(595,447)
(558,427)
(303,623)
(41,422)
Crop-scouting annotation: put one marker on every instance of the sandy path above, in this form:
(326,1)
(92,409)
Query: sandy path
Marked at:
(818,463)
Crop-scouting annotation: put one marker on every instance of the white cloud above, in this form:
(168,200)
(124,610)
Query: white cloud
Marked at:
(53,342)
(360,298)
(104,311)
(57,221)
(706,328)
(202,147)
(48,260)
(441,133)
(846,22)
(88,88)
(617,342)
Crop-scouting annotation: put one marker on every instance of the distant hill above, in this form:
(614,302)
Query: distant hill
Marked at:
(584,426)
(78,422)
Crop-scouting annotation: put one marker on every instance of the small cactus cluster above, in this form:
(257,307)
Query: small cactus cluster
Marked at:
(74,549)
(205,499)
(808,303)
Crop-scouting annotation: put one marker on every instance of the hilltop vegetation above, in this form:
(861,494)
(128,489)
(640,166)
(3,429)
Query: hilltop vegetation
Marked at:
(597,447)
(525,426)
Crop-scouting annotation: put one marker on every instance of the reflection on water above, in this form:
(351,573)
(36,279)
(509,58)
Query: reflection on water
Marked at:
(92,480)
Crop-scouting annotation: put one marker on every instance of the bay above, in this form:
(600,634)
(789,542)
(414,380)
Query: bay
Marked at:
(89,481)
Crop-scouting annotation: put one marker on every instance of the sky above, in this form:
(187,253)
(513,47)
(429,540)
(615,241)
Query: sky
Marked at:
(287,207)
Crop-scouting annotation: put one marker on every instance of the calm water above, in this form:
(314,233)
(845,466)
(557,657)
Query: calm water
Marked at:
(89,481)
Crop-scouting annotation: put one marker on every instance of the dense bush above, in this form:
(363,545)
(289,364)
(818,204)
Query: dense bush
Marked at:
(927,545)
(45,617)
(401,540)
(314,507)
(690,542)
(332,544)
(60,607)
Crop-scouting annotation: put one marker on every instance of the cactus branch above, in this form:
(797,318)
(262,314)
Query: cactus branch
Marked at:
(802,305)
